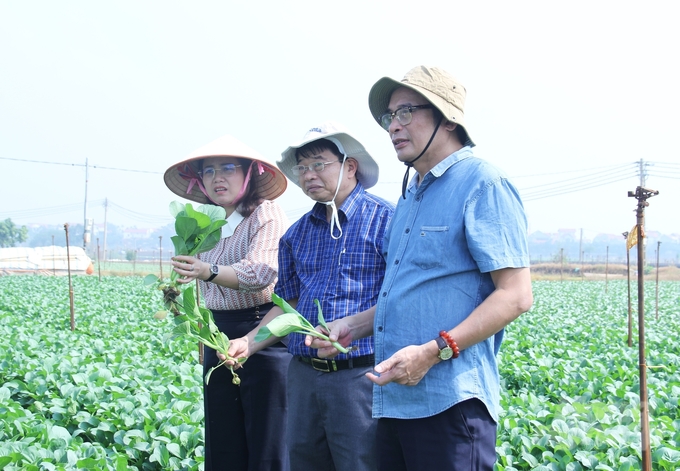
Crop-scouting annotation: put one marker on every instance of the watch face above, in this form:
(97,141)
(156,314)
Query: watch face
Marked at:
(445,353)
(214,269)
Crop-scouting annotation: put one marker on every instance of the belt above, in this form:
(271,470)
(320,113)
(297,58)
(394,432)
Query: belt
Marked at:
(329,366)
(239,315)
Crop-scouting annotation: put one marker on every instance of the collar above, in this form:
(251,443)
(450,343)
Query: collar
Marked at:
(349,207)
(441,168)
(232,223)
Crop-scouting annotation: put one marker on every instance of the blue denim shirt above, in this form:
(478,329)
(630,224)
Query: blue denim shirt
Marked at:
(463,221)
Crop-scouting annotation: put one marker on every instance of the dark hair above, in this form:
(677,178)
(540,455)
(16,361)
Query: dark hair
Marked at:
(250,199)
(317,147)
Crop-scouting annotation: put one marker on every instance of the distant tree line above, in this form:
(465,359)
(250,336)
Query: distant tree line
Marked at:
(544,247)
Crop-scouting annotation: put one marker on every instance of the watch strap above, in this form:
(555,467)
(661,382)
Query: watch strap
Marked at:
(215,270)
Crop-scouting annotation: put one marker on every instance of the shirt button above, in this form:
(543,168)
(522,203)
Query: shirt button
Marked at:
(396,262)
(380,328)
(407,230)
(384,293)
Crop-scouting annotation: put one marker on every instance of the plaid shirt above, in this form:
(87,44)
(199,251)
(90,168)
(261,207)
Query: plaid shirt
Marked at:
(345,275)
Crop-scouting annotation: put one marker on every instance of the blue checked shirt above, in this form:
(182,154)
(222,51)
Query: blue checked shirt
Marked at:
(345,275)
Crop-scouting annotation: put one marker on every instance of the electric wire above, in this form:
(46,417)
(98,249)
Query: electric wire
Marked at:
(589,177)
(557,191)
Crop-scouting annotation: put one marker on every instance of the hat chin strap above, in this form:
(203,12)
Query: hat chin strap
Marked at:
(335,220)
(409,165)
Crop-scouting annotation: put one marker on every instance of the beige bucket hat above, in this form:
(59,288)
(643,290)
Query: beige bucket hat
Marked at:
(183,179)
(439,87)
(368,171)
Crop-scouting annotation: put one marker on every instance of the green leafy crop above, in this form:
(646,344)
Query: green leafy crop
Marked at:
(198,230)
(292,321)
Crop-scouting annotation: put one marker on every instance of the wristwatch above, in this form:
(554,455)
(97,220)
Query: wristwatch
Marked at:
(214,269)
(445,352)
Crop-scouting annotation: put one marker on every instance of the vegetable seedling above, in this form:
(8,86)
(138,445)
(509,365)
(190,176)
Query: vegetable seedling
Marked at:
(197,322)
(198,230)
(292,321)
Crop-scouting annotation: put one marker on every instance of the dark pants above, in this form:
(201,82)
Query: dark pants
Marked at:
(330,427)
(245,425)
(462,438)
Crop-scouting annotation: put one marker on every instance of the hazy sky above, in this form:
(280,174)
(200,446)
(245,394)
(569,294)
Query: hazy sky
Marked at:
(575,92)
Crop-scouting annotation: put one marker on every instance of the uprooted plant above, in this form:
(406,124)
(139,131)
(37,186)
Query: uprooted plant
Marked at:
(292,321)
(198,230)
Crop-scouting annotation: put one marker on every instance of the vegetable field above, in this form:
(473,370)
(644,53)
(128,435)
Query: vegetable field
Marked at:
(117,394)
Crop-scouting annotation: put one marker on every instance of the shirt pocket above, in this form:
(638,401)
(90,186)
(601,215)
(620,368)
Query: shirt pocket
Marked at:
(431,247)
(361,272)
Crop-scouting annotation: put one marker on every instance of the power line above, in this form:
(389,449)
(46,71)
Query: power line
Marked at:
(561,172)
(590,177)
(81,165)
(573,187)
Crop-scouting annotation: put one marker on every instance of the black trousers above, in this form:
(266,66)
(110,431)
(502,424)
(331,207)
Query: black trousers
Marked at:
(462,438)
(245,425)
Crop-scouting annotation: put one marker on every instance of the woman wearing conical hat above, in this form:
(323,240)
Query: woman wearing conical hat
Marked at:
(244,424)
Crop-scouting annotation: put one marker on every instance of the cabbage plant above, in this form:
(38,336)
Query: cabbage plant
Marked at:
(198,230)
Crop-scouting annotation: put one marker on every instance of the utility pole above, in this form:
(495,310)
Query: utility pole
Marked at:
(658,249)
(630,309)
(643,175)
(642,194)
(580,247)
(606,271)
(106,211)
(85,210)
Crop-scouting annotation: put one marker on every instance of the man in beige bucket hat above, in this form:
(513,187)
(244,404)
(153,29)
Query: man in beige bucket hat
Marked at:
(457,274)
(334,254)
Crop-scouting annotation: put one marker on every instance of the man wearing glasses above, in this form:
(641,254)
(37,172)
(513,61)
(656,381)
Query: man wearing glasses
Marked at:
(457,274)
(334,253)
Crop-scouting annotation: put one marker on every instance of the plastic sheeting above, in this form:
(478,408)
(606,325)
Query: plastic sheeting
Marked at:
(44,260)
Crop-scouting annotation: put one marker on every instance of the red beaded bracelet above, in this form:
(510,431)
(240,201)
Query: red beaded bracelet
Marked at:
(450,342)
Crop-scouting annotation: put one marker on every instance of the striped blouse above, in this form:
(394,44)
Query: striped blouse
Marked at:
(252,251)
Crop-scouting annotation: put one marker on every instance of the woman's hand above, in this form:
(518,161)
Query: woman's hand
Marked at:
(189,268)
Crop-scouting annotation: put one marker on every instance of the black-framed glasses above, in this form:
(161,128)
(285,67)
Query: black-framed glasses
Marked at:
(316,166)
(226,169)
(403,115)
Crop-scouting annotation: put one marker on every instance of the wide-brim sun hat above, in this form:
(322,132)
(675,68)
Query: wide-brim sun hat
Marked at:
(367,171)
(438,87)
(183,179)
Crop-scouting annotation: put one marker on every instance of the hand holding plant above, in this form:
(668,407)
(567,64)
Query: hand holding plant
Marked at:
(292,321)
(198,230)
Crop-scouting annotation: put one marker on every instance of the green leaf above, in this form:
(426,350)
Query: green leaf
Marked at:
(190,308)
(322,321)
(207,243)
(151,279)
(176,208)
(186,227)
(287,323)
(206,315)
(276,299)
(180,245)
(215,213)
(202,220)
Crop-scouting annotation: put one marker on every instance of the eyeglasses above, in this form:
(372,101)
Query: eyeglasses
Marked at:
(318,167)
(403,115)
(226,169)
